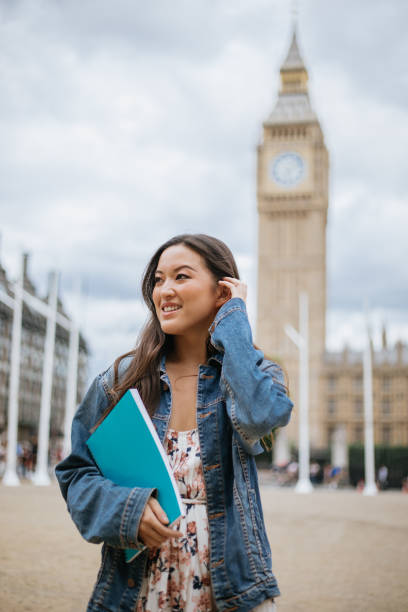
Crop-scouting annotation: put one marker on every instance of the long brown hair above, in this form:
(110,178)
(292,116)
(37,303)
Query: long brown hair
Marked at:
(153,343)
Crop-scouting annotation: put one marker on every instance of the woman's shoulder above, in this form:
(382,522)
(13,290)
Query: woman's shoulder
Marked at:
(107,377)
(98,397)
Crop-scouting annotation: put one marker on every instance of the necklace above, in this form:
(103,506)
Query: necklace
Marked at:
(185,376)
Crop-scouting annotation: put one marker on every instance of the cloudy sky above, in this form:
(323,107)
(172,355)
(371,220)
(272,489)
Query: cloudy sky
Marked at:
(124,123)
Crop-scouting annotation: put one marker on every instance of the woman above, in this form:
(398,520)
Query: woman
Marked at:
(212,397)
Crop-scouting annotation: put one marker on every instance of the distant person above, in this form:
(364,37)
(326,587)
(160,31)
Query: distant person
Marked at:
(26,459)
(34,451)
(382,477)
(3,453)
(314,472)
(327,473)
(292,471)
(20,459)
(335,475)
(214,397)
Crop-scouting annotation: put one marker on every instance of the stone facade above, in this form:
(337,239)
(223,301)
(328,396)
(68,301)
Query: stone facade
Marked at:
(32,350)
(343,400)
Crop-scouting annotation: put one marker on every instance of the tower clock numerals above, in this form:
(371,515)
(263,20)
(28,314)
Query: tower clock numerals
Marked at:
(287,169)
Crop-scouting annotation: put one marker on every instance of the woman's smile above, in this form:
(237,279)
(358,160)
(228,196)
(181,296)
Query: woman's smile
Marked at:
(168,308)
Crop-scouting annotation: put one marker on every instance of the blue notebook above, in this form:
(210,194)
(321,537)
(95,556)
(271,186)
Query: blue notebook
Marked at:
(128,451)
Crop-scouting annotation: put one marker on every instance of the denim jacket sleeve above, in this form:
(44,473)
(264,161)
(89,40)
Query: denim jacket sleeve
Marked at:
(101,510)
(256,398)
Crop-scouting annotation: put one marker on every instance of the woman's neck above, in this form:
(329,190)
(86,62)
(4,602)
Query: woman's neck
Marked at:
(189,349)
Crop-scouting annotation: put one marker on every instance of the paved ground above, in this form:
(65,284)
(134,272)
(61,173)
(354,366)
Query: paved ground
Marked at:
(333,551)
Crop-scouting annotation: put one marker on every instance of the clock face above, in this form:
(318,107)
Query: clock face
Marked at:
(287,169)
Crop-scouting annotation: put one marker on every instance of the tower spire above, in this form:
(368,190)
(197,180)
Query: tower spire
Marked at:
(293,59)
(293,102)
(293,71)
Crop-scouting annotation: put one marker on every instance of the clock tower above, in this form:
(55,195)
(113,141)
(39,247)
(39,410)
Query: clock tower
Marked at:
(292,194)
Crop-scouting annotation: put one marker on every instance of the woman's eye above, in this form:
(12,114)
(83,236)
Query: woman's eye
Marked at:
(157,280)
(181,276)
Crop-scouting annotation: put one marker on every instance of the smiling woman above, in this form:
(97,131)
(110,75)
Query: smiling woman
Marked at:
(184,293)
(211,396)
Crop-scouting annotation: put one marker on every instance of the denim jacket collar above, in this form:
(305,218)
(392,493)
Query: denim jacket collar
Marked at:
(216,357)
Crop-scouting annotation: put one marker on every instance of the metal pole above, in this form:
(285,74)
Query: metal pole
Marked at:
(72,377)
(41,476)
(370,487)
(10,477)
(301,340)
(304,484)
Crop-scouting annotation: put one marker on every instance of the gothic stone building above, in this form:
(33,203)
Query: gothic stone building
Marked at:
(292,194)
(32,350)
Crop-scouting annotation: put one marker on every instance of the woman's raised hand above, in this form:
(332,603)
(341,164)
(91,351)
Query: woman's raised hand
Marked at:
(152,527)
(237,287)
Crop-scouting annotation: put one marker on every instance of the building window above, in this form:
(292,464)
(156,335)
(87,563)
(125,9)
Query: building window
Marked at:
(332,383)
(330,432)
(386,383)
(358,405)
(331,405)
(386,435)
(386,405)
(358,434)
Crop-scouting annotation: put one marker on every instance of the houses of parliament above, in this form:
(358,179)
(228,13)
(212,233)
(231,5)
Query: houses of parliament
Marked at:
(293,200)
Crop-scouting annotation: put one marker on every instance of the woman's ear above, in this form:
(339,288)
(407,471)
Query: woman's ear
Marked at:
(223,295)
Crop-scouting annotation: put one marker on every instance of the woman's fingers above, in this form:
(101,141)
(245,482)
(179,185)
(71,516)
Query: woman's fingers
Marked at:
(237,287)
(152,530)
(149,538)
(153,536)
(162,520)
(158,510)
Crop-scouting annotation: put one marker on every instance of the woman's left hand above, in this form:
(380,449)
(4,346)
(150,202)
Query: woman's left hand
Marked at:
(237,287)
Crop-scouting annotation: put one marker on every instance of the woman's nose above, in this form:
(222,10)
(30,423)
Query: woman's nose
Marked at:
(167,287)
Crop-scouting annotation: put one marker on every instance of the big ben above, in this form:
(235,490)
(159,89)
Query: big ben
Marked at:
(292,194)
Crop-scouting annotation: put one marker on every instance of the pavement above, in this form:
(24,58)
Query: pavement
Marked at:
(332,551)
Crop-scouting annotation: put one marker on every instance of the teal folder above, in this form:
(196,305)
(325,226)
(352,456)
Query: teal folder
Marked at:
(128,451)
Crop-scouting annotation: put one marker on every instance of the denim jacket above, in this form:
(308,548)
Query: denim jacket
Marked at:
(240,398)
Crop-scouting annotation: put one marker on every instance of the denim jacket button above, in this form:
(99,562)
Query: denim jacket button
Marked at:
(131,583)
(165,387)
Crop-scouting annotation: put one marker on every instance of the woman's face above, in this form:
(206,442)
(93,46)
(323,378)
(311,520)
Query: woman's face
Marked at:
(186,295)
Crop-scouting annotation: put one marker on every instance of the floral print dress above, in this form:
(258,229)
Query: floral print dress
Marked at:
(177,574)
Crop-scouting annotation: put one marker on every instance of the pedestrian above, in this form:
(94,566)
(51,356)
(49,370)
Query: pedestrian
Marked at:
(327,473)
(382,477)
(212,397)
(292,471)
(335,475)
(314,472)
